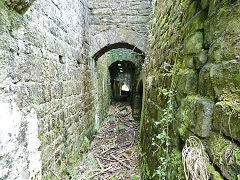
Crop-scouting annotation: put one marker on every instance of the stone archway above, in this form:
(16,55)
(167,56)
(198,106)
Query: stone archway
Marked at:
(114,55)
(117,45)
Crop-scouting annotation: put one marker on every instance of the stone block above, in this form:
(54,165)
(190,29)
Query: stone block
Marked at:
(195,114)
(223,27)
(214,79)
(226,121)
(187,82)
(200,59)
(193,8)
(204,4)
(225,154)
(196,23)
(188,62)
(213,7)
(205,86)
(193,43)
(225,48)
(225,77)
(195,61)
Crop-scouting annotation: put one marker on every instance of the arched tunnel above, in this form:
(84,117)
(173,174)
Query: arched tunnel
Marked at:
(124,65)
(75,88)
(122,80)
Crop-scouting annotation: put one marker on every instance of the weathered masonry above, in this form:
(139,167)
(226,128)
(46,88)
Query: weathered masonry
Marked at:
(194,55)
(62,62)
(55,87)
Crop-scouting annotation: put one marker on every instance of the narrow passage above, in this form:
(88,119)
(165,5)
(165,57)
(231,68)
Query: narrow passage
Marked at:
(113,152)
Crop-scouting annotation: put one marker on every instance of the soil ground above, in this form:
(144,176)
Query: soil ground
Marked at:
(113,152)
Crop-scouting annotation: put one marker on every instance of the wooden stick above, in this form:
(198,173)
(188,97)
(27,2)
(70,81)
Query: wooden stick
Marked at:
(122,163)
(103,171)
(103,158)
(107,150)
(99,163)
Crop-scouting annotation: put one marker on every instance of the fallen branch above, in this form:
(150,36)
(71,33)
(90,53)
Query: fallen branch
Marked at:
(99,163)
(107,150)
(103,171)
(122,163)
(103,158)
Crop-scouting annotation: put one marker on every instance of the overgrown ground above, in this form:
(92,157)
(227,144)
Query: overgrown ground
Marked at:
(113,152)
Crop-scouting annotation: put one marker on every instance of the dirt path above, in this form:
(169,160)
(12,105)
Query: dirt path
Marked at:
(113,152)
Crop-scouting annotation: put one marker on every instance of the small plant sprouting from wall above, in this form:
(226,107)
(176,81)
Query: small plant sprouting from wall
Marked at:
(195,160)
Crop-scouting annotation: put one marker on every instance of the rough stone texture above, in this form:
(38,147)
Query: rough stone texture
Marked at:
(122,54)
(196,115)
(193,43)
(195,23)
(220,78)
(188,81)
(103,86)
(222,31)
(118,21)
(227,122)
(51,96)
(19,143)
(226,155)
(201,39)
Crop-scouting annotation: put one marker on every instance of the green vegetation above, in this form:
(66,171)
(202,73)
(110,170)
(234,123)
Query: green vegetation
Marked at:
(231,102)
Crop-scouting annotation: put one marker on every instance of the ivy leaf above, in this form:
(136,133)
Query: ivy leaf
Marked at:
(161,158)
(158,136)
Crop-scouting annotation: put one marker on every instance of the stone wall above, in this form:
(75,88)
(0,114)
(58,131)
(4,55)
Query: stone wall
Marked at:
(118,21)
(194,52)
(49,95)
(53,95)
(103,86)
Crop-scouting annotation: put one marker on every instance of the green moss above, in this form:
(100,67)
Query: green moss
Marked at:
(196,23)
(145,171)
(226,155)
(183,131)
(135,178)
(214,174)
(237,79)
(222,11)
(177,166)
(236,155)
(85,145)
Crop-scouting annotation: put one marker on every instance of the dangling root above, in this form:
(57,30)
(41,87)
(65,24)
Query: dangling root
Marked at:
(195,160)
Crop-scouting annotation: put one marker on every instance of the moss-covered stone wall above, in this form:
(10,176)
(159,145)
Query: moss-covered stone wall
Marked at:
(193,54)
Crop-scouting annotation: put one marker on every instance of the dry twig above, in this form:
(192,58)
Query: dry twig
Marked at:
(103,171)
(122,163)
